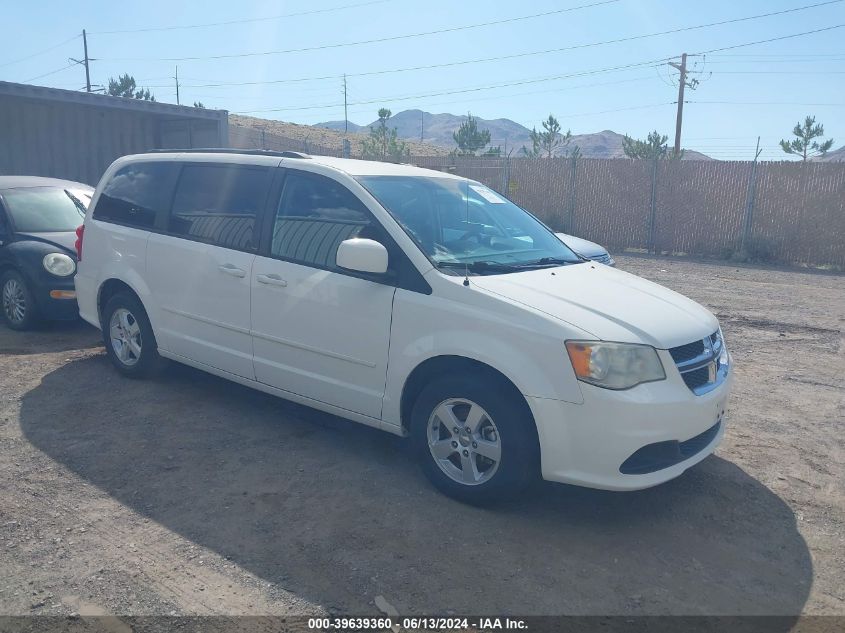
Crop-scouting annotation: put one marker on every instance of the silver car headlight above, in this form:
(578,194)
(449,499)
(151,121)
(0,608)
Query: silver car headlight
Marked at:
(59,264)
(614,365)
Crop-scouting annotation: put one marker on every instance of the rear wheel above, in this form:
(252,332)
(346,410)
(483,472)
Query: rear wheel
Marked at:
(475,440)
(19,309)
(128,337)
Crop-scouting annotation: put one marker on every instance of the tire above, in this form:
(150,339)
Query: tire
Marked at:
(500,426)
(128,337)
(18,303)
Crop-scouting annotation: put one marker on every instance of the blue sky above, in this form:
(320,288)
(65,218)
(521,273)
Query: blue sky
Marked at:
(744,92)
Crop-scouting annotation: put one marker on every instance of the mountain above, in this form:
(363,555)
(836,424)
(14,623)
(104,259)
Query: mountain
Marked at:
(608,144)
(836,156)
(340,126)
(283,135)
(437,129)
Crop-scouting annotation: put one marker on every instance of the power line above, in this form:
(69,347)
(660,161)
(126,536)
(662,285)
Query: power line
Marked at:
(780,54)
(779,61)
(242,21)
(771,39)
(476,88)
(381,39)
(511,56)
(41,52)
(770,103)
(510,95)
(52,72)
(543,79)
(779,72)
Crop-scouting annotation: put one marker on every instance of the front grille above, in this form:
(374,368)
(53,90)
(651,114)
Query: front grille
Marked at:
(602,259)
(696,378)
(700,363)
(687,352)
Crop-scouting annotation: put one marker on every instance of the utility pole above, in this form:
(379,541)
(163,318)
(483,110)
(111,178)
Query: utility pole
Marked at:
(422,125)
(177,85)
(87,72)
(682,82)
(345,114)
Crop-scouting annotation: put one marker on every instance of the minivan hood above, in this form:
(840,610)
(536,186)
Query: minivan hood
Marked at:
(65,240)
(610,304)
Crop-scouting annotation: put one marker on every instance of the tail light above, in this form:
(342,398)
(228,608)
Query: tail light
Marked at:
(80,231)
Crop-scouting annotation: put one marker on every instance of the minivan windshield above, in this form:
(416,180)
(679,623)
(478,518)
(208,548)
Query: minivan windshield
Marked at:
(460,224)
(46,209)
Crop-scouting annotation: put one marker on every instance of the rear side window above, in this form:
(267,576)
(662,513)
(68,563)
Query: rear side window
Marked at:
(219,203)
(315,215)
(137,193)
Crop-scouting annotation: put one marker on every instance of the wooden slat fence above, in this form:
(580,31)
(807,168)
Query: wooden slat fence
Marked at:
(795,212)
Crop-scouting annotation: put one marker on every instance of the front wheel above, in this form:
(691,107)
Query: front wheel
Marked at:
(128,337)
(476,441)
(19,309)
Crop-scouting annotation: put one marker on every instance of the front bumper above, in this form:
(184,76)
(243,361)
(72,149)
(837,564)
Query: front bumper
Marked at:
(56,299)
(587,444)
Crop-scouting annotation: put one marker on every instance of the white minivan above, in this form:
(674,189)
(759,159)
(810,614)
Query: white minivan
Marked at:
(414,301)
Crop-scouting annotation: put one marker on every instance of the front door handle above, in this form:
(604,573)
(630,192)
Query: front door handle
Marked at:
(231,269)
(271,280)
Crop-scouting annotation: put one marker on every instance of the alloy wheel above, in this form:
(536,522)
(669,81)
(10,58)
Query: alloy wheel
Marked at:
(125,336)
(464,441)
(14,301)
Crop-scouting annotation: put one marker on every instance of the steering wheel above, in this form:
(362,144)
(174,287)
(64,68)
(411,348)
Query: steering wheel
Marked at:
(478,234)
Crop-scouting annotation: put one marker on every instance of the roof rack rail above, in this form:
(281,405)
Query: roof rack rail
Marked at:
(230,150)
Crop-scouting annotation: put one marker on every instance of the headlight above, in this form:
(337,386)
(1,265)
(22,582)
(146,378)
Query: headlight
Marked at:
(614,365)
(723,348)
(59,264)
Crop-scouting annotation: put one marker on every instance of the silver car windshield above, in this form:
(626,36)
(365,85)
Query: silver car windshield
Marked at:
(460,223)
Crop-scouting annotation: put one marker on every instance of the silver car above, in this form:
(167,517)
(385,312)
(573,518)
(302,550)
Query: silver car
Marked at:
(587,249)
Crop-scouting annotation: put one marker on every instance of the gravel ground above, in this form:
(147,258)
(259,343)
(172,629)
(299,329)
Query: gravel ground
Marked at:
(193,495)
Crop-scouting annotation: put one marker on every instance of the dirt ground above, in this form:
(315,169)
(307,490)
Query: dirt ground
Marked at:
(193,495)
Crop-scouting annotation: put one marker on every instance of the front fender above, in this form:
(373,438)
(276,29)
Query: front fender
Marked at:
(26,256)
(522,346)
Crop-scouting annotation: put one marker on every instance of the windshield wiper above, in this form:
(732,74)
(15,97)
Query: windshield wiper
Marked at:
(480,266)
(545,261)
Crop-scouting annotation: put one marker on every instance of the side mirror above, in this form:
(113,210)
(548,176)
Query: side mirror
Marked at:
(363,256)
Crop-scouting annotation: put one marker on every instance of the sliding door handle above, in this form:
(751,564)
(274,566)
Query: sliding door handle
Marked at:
(231,269)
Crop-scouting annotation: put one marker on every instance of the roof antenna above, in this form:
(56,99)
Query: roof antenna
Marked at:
(466,204)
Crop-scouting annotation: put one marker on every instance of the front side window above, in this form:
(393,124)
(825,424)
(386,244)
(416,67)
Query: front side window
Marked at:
(314,216)
(44,209)
(219,203)
(137,193)
(460,224)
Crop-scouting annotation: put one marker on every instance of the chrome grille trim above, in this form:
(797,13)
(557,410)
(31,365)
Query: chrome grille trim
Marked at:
(709,358)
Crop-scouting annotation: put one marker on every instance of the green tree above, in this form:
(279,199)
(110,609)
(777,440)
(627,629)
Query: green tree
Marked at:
(536,145)
(803,144)
(382,142)
(199,104)
(655,146)
(124,86)
(551,141)
(469,138)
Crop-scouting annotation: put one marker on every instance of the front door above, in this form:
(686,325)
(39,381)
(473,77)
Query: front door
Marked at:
(318,331)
